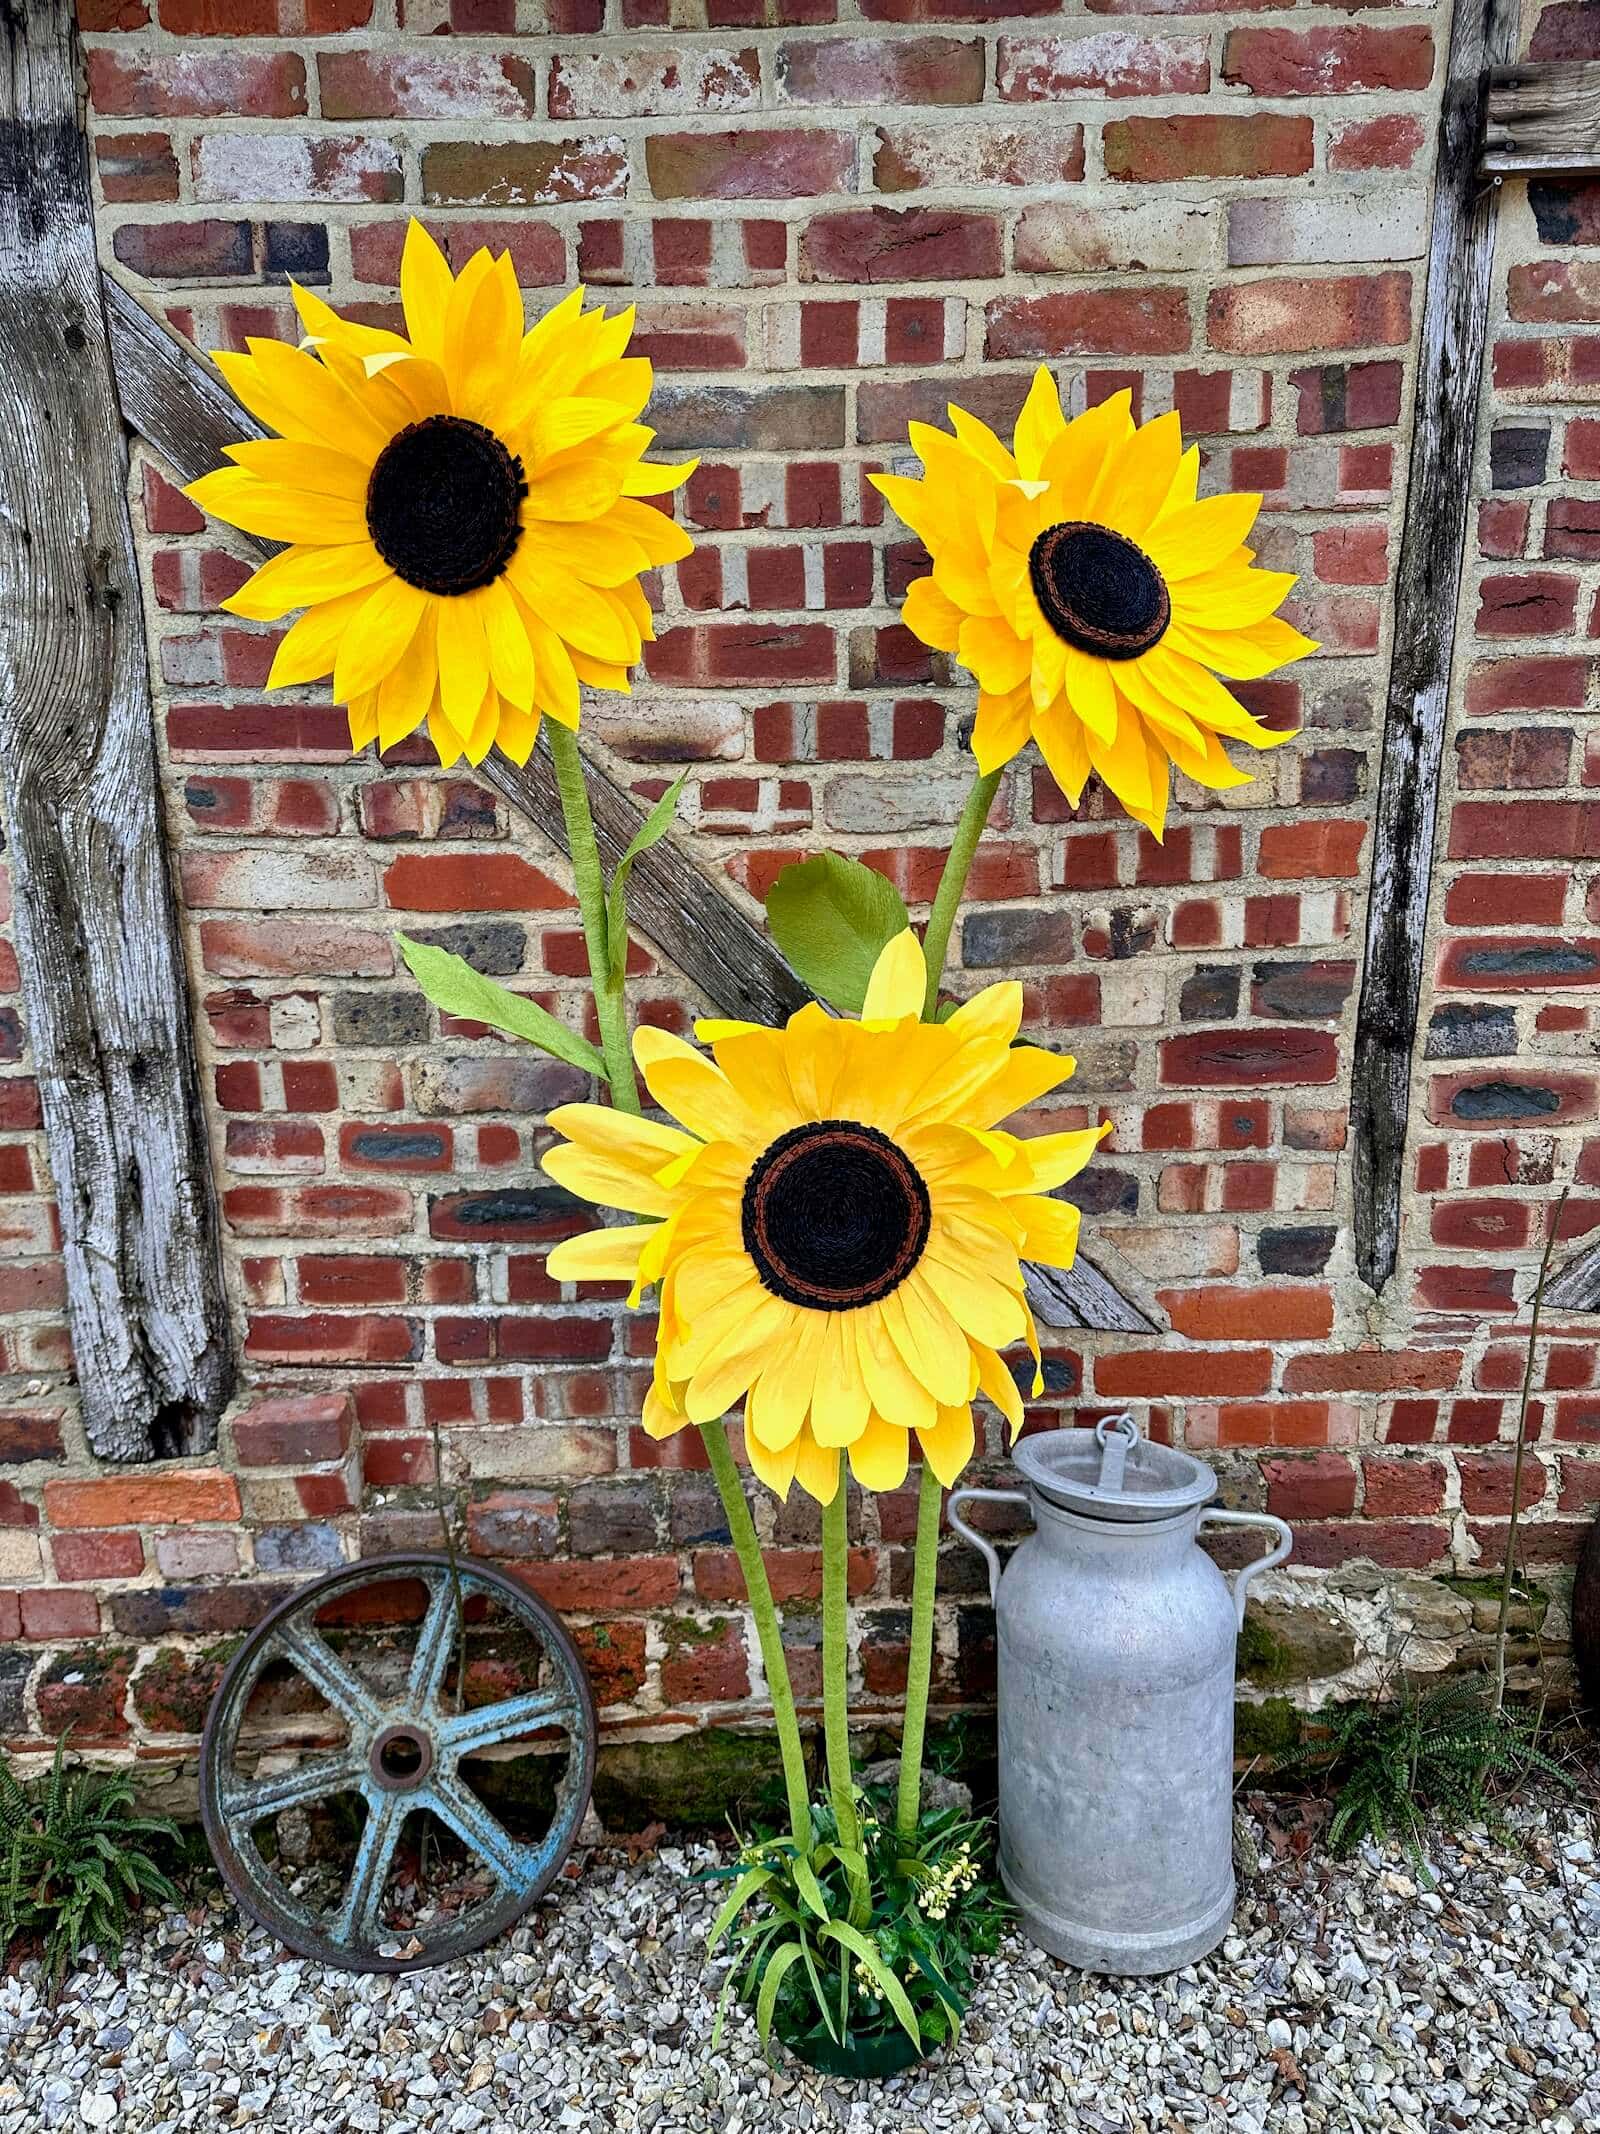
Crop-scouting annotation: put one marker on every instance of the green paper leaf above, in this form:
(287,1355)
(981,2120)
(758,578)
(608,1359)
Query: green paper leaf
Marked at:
(832,917)
(650,832)
(809,1887)
(888,1985)
(451,983)
(743,1890)
(777,1970)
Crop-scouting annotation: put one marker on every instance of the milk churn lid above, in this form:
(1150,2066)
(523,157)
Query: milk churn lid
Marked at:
(1112,1472)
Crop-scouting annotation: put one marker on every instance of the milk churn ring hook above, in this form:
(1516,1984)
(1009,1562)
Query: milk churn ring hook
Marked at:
(1117,1436)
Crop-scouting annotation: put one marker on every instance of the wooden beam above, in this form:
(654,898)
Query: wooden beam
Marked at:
(1577,1287)
(1427,591)
(104,985)
(1542,119)
(179,405)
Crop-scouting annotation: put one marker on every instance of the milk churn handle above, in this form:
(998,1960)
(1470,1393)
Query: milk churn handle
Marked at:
(1117,1436)
(1216,1517)
(984,1548)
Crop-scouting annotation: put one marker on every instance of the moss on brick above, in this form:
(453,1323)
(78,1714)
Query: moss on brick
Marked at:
(1268,1729)
(691,1783)
(1280,1646)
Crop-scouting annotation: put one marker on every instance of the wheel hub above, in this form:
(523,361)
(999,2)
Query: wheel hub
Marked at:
(400,1758)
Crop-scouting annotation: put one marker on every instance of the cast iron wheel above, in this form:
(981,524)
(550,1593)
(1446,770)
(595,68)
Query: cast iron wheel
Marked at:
(373,1718)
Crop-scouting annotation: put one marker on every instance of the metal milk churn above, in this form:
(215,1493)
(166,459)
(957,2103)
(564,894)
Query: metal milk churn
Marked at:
(1116,1644)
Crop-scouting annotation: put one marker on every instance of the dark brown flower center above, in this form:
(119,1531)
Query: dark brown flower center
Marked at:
(444,504)
(834,1215)
(1099,590)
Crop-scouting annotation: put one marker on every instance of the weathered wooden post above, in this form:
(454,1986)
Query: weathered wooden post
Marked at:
(103,979)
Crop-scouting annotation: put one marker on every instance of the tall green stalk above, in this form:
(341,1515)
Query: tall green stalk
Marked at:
(953,882)
(930,1498)
(610,1004)
(836,1682)
(611,1010)
(748,1550)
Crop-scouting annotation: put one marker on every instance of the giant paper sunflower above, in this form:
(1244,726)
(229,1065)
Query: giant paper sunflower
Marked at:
(835,1223)
(462,505)
(1093,597)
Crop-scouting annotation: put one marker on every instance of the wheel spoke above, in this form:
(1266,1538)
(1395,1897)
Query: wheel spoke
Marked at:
(318,1780)
(355,1924)
(435,1643)
(514,1864)
(326,1672)
(492,1723)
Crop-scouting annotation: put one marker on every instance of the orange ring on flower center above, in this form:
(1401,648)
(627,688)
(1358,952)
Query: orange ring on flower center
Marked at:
(834,1215)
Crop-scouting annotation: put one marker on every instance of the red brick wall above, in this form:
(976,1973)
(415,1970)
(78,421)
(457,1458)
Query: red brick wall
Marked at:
(835,217)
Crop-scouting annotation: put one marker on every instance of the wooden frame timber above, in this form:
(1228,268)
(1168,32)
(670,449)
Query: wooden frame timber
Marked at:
(1542,119)
(1427,594)
(104,985)
(179,405)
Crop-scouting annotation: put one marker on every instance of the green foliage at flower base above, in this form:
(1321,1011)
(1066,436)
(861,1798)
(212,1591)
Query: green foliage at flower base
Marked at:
(812,1968)
(75,1862)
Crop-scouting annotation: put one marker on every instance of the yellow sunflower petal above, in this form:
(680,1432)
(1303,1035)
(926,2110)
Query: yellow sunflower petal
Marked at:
(604,1180)
(899,981)
(816,1469)
(1039,424)
(1001,1387)
(773,1465)
(309,647)
(931,615)
(300,577)
(378,637)
(599,1255)
(1001,729)
(880,1456)
(1052,1229)
(948,1445)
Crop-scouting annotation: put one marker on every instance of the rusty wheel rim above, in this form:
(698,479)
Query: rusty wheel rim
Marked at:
(403,1755)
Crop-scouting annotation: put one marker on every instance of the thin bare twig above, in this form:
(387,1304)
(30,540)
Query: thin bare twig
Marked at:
(1516,1468)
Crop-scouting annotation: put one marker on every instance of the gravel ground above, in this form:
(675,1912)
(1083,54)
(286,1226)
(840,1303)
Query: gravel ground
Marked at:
(1346,1997)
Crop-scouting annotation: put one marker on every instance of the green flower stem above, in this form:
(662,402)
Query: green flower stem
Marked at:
(924,1583)
(747,1548)
(953,882)
(610,1004)
(835,1681)
(930,1497)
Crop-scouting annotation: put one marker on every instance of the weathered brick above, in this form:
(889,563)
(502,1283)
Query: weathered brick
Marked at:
(1154,237)
(1288,316)
(1328,61)
(787,163)
(1157,151)
(272,166)
(976,154)
(423,83)
(666,81)
(1139,321)
(131,1499)
(524,173)
(847,71)
(900,244)
(1109,63)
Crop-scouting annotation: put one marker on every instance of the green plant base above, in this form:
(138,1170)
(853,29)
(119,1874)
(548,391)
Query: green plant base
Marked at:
(861,2059)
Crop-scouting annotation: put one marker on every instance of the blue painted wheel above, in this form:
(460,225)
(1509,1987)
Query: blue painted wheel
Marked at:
(377,1719)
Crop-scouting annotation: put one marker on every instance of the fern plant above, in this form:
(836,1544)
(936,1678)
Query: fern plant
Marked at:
(1439,1751)
(75,1861)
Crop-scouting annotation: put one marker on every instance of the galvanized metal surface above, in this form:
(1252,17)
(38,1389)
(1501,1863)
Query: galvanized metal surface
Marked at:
(1116,1636)
(405,1744)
